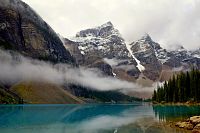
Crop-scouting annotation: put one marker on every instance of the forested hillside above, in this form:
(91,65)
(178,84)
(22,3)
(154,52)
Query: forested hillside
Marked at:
(181,88)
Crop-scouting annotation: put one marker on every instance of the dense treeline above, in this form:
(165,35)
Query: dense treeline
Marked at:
(181,88)
(101,96)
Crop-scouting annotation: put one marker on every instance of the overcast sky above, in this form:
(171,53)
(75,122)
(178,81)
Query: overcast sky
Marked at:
(168,22)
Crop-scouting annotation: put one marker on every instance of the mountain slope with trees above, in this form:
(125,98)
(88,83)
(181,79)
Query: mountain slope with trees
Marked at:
(181,88)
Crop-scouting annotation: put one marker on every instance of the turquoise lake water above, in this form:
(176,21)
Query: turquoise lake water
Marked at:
(92,118)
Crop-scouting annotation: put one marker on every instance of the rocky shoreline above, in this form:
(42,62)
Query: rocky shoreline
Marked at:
(192,123)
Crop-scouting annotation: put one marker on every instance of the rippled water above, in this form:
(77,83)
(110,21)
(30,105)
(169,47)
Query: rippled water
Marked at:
(117,118)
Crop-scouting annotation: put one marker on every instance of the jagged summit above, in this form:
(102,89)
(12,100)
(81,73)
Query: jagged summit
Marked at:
(102,47)
(105,39)
(105,30)
(105,42)
(145,43)
(148,51)
(107,24)
(146,38)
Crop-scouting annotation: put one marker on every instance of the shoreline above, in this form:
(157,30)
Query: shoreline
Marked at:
(177,104)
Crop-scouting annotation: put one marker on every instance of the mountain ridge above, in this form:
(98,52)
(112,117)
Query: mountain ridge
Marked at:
(146,54)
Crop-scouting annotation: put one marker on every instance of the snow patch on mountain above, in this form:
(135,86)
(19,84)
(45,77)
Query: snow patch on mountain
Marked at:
(139,66)
(114,74)
(162,55)
(197,56)
(82,52)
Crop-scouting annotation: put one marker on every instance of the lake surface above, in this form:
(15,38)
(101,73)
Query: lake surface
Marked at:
(91,118)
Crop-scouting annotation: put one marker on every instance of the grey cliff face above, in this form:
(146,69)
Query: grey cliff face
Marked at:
(21,29)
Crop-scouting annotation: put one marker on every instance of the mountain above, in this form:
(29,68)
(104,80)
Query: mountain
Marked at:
(145,50)
(158,61)
(143,61)
(103,47)
(103,40)
(22,30)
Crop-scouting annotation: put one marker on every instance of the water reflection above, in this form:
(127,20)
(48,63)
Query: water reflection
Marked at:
(171,113)
(134,118)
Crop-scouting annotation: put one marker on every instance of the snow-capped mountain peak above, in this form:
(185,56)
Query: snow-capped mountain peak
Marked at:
(104,40)
(145,52)
(105,43)
(107,24)
(105,30)
(148,51)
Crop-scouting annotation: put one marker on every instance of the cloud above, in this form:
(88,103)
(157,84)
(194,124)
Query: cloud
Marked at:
(168,21)
(15,68)
(112,62)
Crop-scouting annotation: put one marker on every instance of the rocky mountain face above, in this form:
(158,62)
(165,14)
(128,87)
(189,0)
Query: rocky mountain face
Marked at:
(180,58)
(102,47)
(21,29)
(104,41)
(145,50)
(155,59)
